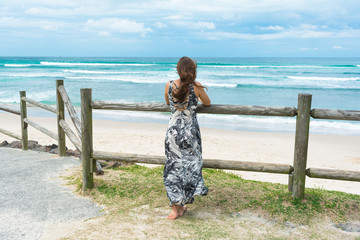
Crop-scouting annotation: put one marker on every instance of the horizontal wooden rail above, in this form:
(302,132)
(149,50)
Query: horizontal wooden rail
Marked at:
(70,108)
(41,129)
(14,135)
(333,174)
(248,166)
(207,163)
(9,110)
(39,104)
(71,135)
(215,108)
(335,114)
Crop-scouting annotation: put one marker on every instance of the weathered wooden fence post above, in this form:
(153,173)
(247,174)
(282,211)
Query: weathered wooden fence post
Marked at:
(86,139)
(24,125)
(301,144)
(60,116)
(290,182)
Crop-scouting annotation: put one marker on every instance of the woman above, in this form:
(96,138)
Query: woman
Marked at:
(183,164)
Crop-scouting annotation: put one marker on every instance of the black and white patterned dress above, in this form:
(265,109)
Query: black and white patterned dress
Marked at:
(183,164)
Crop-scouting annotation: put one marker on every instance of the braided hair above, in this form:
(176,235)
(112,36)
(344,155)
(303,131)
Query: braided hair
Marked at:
(186,68)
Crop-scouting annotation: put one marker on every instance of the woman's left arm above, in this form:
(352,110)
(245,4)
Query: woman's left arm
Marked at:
(166,93)
(202,96)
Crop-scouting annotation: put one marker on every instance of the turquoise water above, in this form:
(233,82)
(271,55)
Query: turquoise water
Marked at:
(333,82)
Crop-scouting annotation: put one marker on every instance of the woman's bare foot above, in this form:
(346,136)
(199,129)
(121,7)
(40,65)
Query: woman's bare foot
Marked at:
(174,213)
(182,210)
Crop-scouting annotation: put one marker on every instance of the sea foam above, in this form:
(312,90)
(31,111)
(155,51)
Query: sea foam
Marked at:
(31,74)
(92,64)
(325,78)
(279,66)
(18,65)
(117,78)
(99,72)
(226,85)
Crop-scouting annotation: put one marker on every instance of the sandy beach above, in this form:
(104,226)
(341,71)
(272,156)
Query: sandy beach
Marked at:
(325,151)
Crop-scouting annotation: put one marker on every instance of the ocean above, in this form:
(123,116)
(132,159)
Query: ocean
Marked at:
(333,82)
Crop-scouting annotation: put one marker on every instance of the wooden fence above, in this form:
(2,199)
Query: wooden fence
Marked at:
(62,99)
(83,138)
(296,173)
(6,132)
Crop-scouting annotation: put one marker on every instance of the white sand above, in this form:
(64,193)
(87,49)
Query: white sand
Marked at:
(325,151)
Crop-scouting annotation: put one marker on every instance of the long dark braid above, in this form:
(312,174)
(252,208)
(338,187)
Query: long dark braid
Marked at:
(186,68)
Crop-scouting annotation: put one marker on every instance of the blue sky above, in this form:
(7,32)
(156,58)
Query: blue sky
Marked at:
(240,28)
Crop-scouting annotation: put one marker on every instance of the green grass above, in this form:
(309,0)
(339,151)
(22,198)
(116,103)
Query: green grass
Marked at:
(132,186)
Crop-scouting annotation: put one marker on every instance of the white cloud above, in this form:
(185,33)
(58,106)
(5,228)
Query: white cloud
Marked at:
(303,31)
(42,11)
(203,25)
(307,27)
(116,25)
(50,27)
(308,49)
(228,35)
(48,3)
(262,20)
(271,27)
(180,9)
(104,33)
(176,17)
(62,12)
(160,25)
(309,34)
(194,25)
(11,22)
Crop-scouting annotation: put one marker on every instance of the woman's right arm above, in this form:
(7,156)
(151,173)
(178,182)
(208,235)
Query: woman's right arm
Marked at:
(166,93)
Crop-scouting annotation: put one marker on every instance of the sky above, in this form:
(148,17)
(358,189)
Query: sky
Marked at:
(204,28)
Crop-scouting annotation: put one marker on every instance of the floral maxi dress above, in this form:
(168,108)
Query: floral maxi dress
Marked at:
(182,173)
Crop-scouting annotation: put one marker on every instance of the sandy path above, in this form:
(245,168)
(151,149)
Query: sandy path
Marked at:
(34,204)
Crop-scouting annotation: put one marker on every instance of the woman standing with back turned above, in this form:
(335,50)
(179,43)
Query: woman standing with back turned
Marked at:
(183,164)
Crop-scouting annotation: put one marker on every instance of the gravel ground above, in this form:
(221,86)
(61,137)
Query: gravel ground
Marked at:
(32,196)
